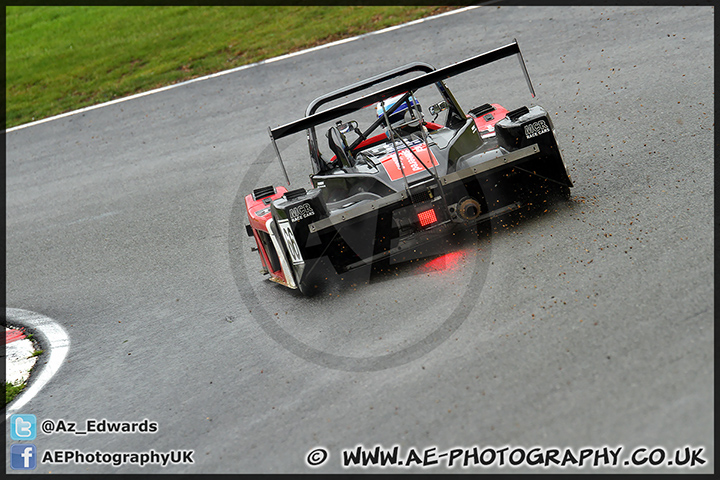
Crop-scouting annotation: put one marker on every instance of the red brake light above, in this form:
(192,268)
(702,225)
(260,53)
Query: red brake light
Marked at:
(427,217)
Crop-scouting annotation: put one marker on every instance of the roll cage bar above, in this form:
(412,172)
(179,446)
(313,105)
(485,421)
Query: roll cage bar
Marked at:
(368,82)
(431,76)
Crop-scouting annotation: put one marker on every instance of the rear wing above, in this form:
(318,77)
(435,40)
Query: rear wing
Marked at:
(431,77)
(367,83)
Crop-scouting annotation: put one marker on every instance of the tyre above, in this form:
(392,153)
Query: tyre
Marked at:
(316,277)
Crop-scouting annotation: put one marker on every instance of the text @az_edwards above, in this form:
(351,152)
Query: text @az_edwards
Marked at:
(27,456)
(92,425)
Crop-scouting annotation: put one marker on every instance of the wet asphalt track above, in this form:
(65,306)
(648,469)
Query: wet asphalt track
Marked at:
(590,324)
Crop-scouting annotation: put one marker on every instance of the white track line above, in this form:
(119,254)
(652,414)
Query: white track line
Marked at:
(237,69)
(54,340)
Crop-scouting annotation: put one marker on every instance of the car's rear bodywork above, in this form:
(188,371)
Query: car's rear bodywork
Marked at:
(385,193)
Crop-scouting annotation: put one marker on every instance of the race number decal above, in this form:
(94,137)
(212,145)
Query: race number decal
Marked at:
(536,128)
(289,237)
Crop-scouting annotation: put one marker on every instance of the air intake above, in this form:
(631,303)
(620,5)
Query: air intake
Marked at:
(263,192)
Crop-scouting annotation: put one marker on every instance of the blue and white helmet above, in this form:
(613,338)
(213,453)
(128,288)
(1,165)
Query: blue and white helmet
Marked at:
(402,116)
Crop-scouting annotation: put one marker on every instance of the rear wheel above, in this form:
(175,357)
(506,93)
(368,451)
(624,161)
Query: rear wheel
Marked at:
(559,192)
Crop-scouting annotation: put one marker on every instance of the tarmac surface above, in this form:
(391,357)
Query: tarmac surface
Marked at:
(589,325)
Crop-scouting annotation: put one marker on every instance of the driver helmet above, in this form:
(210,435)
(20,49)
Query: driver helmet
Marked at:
(402,116)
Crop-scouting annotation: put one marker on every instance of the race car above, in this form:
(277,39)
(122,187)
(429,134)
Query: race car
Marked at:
(389,174)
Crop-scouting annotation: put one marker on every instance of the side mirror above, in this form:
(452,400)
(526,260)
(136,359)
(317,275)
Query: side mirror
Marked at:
(350,126)
(437,108)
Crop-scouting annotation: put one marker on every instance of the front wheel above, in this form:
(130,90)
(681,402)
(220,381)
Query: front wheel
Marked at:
(316,277)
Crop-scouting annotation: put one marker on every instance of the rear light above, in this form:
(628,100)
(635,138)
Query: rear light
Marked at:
(427,217)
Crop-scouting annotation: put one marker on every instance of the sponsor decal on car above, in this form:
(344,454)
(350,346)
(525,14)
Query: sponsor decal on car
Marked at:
(536,128)
(410,164)
(301,211)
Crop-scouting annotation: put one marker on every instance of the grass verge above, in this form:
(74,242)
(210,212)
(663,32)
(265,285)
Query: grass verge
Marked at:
(12,391)
(62,58)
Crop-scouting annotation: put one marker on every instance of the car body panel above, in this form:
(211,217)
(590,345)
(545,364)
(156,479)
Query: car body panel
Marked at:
(379,196)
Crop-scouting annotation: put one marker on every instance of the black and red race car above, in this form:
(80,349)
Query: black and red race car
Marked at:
(387,175)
